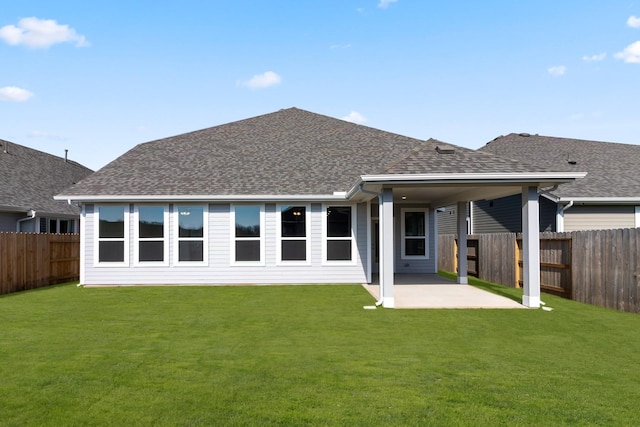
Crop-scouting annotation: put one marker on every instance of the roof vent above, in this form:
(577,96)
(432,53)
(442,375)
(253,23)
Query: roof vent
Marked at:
(447,150)
(572,162)
(526,135)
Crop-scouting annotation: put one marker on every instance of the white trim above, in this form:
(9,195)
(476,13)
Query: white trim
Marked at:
(478,177)
(83,242)
(306,239)
(637,209)
(203,198)
(403,237)
(602,200)
(369,243)
(136,237)
(177,239)
(97,239)
(352,238)
(233,238)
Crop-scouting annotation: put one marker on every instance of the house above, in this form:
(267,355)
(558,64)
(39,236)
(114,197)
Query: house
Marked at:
(607,198)
(30,180)
(288,197)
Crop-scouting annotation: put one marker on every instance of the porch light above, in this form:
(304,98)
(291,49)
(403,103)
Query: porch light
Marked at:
(404,197)
(185,213)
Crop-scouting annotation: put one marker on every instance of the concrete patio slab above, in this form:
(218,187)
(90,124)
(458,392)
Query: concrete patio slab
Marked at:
(433,291)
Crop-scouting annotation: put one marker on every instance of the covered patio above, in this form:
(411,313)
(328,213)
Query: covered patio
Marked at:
(434,291)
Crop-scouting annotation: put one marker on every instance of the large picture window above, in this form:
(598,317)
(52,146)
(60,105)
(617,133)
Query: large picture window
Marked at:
(248,234)
(293,233)
(151,235)
(191,234)
(339,236)
(414,233)
(112,242)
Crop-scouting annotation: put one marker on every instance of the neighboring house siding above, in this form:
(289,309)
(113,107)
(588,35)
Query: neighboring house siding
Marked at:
(8,221)
(504,215)
(448,220)
(219,269)
(579,218)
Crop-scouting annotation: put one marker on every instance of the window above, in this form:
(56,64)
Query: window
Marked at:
(151,232)
(51,225)
(191,231)
(293,233)
(113,231)
(247,239)
(414,233)
(339,238)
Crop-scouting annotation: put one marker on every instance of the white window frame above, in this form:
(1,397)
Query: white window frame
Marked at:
(97,240)
(177,239)
(234,239)
(325,238)
(137,239)
(306,239)
(404,238)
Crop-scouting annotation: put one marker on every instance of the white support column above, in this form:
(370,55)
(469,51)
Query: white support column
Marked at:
(462,243)
(531,247)
(387,254)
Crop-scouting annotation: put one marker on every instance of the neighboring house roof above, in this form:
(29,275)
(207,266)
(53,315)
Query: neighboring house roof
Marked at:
(288,152)
(31,178)
(612,168)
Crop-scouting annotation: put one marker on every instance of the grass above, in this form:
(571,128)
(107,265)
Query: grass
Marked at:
(308,355)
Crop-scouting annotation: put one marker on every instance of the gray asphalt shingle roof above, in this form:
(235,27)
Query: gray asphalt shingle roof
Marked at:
(611,167)
(288,152)
(31,178)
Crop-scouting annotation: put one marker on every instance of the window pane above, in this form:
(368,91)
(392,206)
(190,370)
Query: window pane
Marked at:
(293,221)
(248,250)
(414,247)
(111,221)
(247,221)
(43,225)
(111,252)
(151,221)
(339,250)
(190,221)
(294,250)
(151,251)
(190,251)
(414,224)
(339,221)
(64,226)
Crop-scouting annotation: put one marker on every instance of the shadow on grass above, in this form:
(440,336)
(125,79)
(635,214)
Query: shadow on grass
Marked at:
(42,288)
(502,290)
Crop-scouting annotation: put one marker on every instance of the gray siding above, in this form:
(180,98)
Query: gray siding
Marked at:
(219,269)
(579,218)
(504,215)
(8,221)
(448,220)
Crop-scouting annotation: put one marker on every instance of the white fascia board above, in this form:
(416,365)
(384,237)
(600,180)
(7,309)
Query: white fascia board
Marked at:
(476,177)
(205,198)
(602,200)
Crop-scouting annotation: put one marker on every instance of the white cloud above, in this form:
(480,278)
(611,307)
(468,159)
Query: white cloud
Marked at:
(558,70)
(40,33)
(630,54)
(633,22)
(15,94)
(263,80)
(355,117)
(385,3)
(340,46)
(594,58)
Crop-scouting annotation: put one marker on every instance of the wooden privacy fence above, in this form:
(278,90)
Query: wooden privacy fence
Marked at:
(29,260)
(600,267)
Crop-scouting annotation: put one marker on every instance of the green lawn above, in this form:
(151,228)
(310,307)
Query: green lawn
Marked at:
(308,355)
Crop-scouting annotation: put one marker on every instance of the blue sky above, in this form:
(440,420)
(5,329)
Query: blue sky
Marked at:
(97,78)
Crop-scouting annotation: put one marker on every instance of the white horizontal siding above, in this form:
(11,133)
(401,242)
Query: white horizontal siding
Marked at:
(219,269)
(579,218)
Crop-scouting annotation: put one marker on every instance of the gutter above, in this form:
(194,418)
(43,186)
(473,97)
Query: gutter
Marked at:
(31,214)
(379,195)
(336,196)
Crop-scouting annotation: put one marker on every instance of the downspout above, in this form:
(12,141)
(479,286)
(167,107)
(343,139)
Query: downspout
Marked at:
(31,214)
(379,196)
